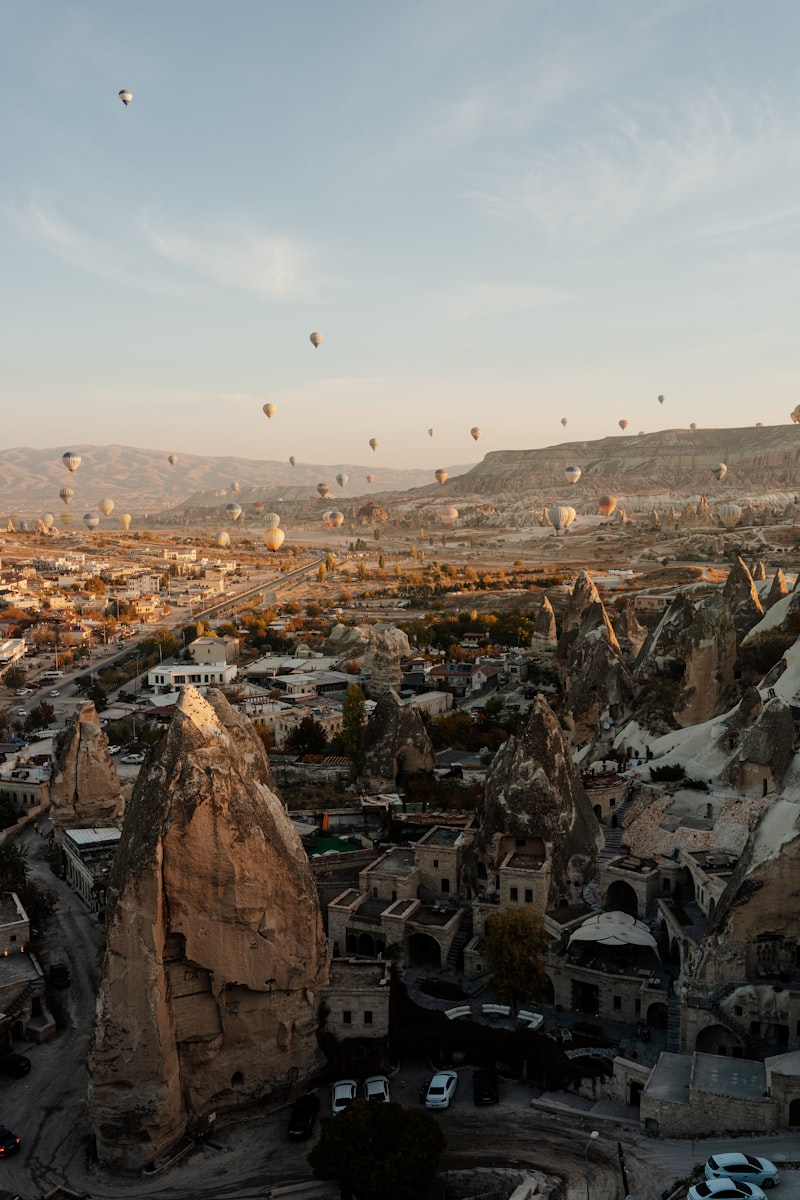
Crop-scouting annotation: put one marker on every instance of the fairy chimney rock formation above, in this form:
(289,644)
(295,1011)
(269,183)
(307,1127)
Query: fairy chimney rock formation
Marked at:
(397,744)
(535,806)
(85,787)
(777,590)
(766,643)
(544,627)
(382,661)
(742,596)
(215,953)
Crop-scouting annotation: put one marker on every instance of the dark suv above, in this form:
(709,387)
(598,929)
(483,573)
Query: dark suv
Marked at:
(15,1065)
(484,1087)
(59,975)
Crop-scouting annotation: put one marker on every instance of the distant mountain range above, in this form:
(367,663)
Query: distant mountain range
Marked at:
(142,481)
(759,460)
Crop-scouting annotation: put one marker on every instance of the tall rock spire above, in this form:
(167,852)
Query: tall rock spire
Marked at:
(215,951)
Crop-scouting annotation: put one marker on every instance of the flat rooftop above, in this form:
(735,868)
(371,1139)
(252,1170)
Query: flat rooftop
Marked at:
(670,1078)
(739,1078)
(440,836)
(351,973)
(396,862)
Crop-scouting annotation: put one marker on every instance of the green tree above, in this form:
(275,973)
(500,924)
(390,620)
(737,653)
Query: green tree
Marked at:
(380,1151)
(354,720)
(14,678)
(40,716)
(512,948)
(307,738)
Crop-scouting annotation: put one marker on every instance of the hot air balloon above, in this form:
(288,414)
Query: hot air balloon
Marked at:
(269,411)
(274,539)
(572,474)
(448,517)
(693,426)
(67,518)
(106,506)
(475,432)
(342,479)
(272,520)
(336,518)
(440,476)
(71,461)
(729,514)
(49,520)
(373,443)
(233,510)
(125,522)
(126,97)
(607,504)
(66,494)
(316,339)
(660,399)
(292,460)
(370,479)
(235,485)
(795,414)
(91,520)
(623,424)
(223,538)
(719,470)
(173,458)
(759,424)
(258,506)
(560,516)
(431,433)
(323,489)
(564,422)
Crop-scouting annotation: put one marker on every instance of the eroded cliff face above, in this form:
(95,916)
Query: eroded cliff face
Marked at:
(533,792)
(215,951)
(85,788)
(382,661)
(742,595)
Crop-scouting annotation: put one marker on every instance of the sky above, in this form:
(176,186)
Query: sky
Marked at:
(497,214)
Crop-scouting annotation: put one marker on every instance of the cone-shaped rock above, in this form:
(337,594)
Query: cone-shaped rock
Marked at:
(631,634)
(759,571)
(397,744)
(689,658)
(584,594)
(84,788)
(742,596)
(387,646)
(655,519)
(533,794)
(214,949)
(778,589)
(544,627)
(598,684)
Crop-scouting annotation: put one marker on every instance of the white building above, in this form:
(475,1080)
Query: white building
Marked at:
(173,676)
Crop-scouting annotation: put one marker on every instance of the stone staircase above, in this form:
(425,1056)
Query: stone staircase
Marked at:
(464,934)
(673,1044)
(19,1002)
(612,848)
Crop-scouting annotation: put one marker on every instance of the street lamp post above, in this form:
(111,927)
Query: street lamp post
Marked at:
(593,1136)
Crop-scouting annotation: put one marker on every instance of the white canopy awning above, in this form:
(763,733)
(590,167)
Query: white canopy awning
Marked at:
(614,929)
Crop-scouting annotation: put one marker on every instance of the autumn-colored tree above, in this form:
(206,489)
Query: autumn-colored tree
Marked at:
(513,946)
(353,721)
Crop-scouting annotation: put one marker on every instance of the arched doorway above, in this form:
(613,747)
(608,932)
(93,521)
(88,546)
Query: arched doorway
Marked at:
(657,1015)
(366,945)
(621,897)
(548,992)
(717,1039)
(794,1111)
(424,951)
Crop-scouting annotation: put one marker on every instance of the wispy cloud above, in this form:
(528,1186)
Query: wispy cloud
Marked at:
(40,222)
(474,301)
(649,160)
(241,258)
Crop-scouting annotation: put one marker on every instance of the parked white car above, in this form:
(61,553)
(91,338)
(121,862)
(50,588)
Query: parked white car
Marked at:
(747,1167)
(441,1089)
(377,1088)
(343,1093)
(725,1189)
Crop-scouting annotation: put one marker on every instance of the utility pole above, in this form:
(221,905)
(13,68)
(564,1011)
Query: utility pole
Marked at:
(625,1186)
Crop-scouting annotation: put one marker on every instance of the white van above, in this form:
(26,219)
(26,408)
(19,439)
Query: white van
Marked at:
(52,675)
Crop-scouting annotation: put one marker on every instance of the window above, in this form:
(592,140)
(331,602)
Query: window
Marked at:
(445,886)
(513,894)
(520,843)
(637,1007)
(347,1017)
(374,893)
(436,864)
(12,937)
(666,884)
(367,1018)
(529,895)
(618,1002)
